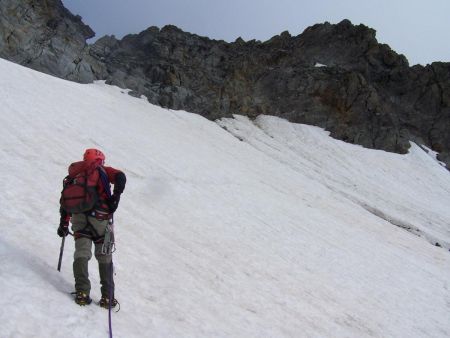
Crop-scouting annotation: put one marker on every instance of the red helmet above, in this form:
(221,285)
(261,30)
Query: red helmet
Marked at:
(93,154)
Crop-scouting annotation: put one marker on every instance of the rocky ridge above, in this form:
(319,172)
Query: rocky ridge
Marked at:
(334,76)
(45,36)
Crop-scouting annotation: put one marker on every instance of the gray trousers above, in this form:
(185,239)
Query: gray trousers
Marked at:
(93,229)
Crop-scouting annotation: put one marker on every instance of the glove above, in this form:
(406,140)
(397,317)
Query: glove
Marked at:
(63,229)
(113,203)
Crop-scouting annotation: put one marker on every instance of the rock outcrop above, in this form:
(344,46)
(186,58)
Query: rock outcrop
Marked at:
(334,76)
(44,35)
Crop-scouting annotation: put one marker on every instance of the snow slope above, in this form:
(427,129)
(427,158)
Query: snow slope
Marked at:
(231,229)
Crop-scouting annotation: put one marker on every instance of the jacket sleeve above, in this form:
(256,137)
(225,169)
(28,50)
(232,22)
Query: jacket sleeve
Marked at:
(117,178)
(64,215)
(120,181)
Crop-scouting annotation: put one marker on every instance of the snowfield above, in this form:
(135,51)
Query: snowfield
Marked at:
(233,228)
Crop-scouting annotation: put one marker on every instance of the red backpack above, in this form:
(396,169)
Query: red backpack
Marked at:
(79,193)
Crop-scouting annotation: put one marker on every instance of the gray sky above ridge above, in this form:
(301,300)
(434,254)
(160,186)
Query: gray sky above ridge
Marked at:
(418,29)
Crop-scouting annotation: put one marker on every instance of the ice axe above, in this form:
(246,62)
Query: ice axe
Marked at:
(61,250)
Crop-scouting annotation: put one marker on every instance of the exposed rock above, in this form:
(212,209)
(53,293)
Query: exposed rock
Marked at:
(365,94)
(44,35)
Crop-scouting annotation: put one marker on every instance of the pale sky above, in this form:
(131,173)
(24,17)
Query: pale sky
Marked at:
(418,29)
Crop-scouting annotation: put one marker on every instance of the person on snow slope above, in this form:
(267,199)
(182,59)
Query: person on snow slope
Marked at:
(90,226)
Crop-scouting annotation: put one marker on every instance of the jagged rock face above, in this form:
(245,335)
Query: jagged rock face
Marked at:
(44,35)
(367,94)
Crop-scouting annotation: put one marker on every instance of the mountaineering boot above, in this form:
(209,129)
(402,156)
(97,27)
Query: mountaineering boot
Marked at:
(82,298)
(104,302)
(106,279)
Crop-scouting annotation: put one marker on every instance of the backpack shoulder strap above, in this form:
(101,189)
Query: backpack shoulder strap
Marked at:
(105,180)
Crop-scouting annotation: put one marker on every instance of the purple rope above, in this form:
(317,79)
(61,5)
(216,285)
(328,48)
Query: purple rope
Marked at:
(110,299)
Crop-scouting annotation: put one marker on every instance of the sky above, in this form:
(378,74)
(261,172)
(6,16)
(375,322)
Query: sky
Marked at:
(416,28)
(233,228)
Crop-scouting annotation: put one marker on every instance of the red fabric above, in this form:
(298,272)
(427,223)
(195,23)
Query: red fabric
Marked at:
(94,176)
(111,174)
